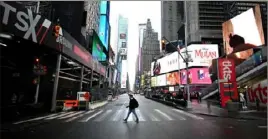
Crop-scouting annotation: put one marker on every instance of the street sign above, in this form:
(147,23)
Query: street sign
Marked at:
(86,96)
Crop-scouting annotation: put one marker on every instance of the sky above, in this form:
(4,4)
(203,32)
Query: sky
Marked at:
(137,12)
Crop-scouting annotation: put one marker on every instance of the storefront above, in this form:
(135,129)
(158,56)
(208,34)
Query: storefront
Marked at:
(28,38)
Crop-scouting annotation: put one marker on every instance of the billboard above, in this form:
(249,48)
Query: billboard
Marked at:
(123,36)
(97,49)
(153,81)
(227,80)
(124,74)
(243,32)
(161,80)
(258,91)
(104,30)
(202,55)
(196,76)
(103,7)
(123,51)
(173,78)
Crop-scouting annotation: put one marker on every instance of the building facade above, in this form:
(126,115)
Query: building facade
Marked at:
(93,15)
(142,28)
(171,18)
(150,47)
(205,19)
(122,43)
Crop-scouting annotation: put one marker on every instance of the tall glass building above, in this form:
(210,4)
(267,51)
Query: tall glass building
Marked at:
(122,43)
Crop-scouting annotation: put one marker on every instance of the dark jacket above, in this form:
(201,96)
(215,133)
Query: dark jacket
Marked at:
(132,103)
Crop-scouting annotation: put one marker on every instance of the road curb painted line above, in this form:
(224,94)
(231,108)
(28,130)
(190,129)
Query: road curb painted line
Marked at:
(205,114)
(262,126)
(244,118)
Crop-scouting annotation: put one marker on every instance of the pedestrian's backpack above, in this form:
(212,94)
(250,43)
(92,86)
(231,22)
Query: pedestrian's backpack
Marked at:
(136,104)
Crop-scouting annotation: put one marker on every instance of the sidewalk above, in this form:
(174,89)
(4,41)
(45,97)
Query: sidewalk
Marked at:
(216,111)
(98,104)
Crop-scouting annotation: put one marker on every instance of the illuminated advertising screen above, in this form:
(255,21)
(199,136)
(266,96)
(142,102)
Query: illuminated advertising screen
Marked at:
(161,80)
(97,51)
(201,54)
(103,7)
(173,78)
(196,76)
(153,81)
(227,80)
(104,31)
(124,74)
(242,33)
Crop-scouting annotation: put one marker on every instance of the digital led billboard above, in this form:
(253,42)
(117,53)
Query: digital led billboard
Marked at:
(97,49)
(103,7)
(104,30)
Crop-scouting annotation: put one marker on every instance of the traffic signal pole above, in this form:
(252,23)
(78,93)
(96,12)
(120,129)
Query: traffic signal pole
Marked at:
(187,56)
(56,81)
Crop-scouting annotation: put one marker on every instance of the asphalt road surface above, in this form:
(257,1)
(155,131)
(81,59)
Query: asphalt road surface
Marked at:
(157,121)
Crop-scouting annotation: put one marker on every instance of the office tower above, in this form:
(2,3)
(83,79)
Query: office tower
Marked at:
(150,47)
(121,51)
(171,18)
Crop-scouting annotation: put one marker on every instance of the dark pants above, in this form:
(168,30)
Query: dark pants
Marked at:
(132,111)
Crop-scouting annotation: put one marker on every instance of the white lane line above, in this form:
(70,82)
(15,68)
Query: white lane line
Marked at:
(103,116)
(54,117)
(140,115)
(78,116)
(262,126)
(117,115)
(163,114)
(188,114)
(92,116)
(71,115)
(35,119)
(153,118)
(89,112)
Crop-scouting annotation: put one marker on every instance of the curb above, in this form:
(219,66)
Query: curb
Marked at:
(105,103)
(244,118)
(205,114)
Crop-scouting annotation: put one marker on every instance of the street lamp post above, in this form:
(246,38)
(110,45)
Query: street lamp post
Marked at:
(187,56)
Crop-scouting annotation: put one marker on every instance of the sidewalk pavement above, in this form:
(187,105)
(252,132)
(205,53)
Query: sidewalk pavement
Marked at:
(97,105)
(216,111)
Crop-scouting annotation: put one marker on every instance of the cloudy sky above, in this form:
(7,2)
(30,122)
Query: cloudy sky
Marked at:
(137,12)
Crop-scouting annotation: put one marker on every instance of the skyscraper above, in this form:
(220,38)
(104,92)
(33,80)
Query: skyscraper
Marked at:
(205,18)
(142,27)
(121,55)
(171,18)
(150,47)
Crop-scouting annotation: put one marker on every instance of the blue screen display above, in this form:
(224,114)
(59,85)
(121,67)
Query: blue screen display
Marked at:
(103,31)
(103,7)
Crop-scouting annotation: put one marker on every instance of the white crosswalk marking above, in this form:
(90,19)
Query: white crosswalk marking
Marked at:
(117,115)
(94,115)
(35,119)
(188,114)
(78,116)
(139,115)
(61,115)
(71,115)
(163,114)
(103,116)
(153,118)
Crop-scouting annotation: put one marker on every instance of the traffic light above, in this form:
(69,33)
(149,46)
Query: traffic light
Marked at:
(163,45)
(56,31)
(37,60)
